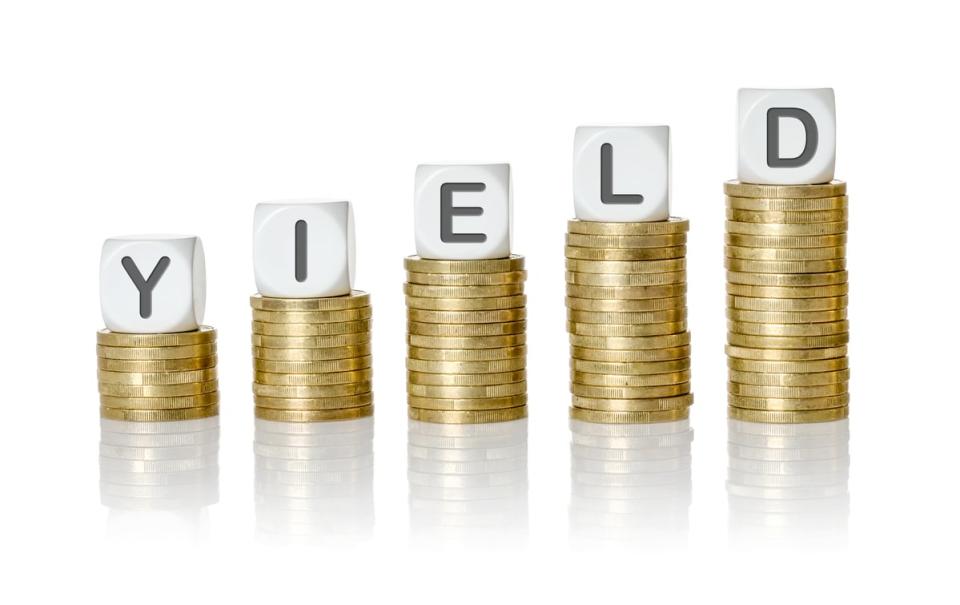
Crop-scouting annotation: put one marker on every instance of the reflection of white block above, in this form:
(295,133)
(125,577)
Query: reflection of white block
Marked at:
(462,211)
(787,137)
(152,283)
(621,174)
(304,249)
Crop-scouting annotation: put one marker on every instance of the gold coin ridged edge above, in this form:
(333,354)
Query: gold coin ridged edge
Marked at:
(625,254)
(788,417)
(667,341)
(203,335)
(185,389)
(466,279)
(279,415)
(600,417)
(326,391)
(157,378)
(156,353)
(466,330)
(317,379)
(751,190)
(467,317)
(789,379)
(629,380)
(787,305)
(578,240)
(313,403)
(160,403)
(471,355)
(641,368)
(467,416)
(494,265)
(788,404)
(157,365)
(466,367)
(596,392)
(787,367)
(625,267)
(653,404)
(671,226)
(456,379)
(127,415)
(467,405)
(630,355)
(761,354)
(346,364)
(467,392)
(787,204)
(354,300)
(466,304)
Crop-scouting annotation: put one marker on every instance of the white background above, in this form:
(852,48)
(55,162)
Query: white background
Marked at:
(132,117)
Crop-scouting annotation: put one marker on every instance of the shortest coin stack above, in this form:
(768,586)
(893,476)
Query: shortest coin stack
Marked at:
(466,340)
(311,358)
(158,377)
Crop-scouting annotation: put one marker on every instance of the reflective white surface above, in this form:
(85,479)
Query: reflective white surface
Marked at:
(314,481)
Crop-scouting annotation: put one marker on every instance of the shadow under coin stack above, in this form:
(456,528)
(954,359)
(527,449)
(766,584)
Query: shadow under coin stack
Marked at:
(158,377)
(787,302)
(627,319)
(311,358)
(466,337)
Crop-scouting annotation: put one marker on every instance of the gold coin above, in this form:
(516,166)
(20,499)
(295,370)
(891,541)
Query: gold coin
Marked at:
(160,403)
(661,404)
(628,293)
(786,317)
(787,291)
(326,378)
(630,356)
(625,254)
(466,304)
(786,217)
(492,265)
(466,279)
(786,242)
(346,364)
(786,254)
(315,353)
(787,204)
(204,335)
(159,415)
(624,380)
(313,415)
(157,390)
(778,392)
(646,317)
(467,417)
(788,305)
(466,342)
(788,266)
(466,380)
(628,330)
(467,367)
(314,403)
(471,355)
(600,417)
(467,317)
(467,392)
(489,403)
(788,367)
(156,378)
(462,291)
(671,226)
(667,341)
(326,390)
(791,230)
(786,355)
(463,330)
(354,300)
(324,319)
(669,390)
(787,342)
(767,329)
(635,368)
(304,343)
(619,267)
(578,240)
(789,417)
(636,279)
(157,365)
(643,305)
(789,380)
(310,330)
(788,279)
(156,353)
(831,189)
(781,404)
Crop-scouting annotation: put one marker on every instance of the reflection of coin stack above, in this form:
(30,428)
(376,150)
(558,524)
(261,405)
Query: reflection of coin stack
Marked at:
(468,481)
(630,482)
(158,377)
(311,358)
(626,301)
(314,481)
(168,467)
(466,337)
(788,483)
(787,302)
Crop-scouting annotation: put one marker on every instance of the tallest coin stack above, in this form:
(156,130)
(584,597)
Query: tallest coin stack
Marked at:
(787,302)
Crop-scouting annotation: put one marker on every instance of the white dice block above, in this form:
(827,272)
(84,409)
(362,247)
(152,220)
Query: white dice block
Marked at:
(787,137)
(153,284)
(463,211)
(304,249)
(621,174)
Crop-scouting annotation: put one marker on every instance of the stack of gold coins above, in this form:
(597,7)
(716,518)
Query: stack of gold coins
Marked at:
(311,358)
(627,319)
(158,377)
(466,337)
(787,302)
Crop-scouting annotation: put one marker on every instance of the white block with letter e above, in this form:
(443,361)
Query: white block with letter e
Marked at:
(153,284)
(462,211)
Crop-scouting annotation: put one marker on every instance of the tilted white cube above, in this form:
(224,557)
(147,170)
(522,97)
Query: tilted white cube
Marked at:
(304,249)
(787,137)
(621,174)
(462,211)
(153,284)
